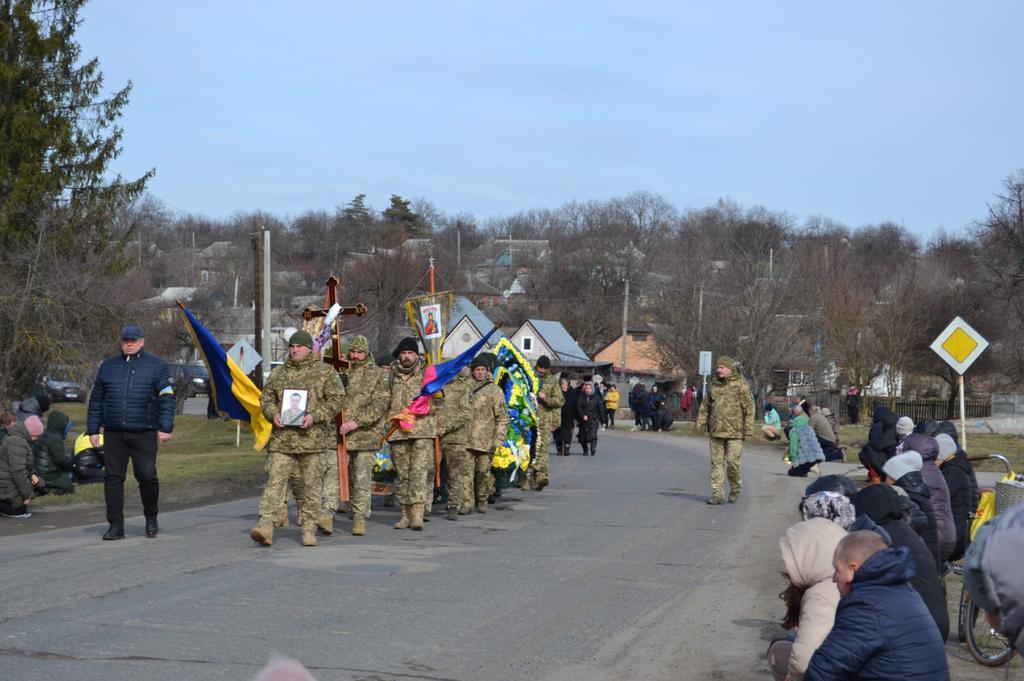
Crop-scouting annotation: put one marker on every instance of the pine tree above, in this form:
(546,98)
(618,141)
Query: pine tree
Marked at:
(58,131)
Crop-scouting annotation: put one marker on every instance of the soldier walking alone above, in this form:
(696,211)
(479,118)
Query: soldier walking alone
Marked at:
(727,412)
(300,446)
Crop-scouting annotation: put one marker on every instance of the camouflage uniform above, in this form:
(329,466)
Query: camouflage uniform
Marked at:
(412,451)
(453,414)
(549,417)
(366,403)
(727,412)
(488,429)
(292,447)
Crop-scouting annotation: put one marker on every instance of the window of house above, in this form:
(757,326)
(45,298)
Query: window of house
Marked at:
(639,337)
(527,344)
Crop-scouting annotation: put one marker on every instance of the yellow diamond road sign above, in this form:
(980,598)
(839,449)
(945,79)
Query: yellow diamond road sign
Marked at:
(959,345)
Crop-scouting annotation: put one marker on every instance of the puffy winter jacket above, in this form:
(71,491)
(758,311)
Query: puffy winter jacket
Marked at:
(807,549)
(1004,580)
(882,628)
(52,461)
(928,448)
(963,491)
(132,393)
(881,504)
(16,465)
(919,493)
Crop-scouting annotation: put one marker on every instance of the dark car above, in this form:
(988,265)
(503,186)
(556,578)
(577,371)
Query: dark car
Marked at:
(190,380)
(62,389)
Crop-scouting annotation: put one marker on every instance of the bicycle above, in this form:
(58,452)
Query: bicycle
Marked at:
(985,644)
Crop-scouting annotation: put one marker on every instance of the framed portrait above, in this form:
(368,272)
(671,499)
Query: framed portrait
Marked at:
(293,406)
(430,320)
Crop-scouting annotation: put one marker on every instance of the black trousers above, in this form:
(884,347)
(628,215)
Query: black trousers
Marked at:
(11,508)
(140,449)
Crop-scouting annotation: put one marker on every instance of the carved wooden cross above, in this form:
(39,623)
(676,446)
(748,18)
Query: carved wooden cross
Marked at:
(335,360)
(338,362)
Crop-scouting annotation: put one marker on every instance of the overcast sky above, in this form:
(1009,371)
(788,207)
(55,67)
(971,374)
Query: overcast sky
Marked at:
(863,112)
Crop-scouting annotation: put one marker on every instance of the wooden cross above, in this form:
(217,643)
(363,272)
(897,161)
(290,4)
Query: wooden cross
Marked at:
(339,363)
(335,360)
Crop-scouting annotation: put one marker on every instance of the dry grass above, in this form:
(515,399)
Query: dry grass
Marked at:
(201,455)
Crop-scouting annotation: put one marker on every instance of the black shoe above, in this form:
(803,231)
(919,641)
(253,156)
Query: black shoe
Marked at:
(114,533)
(151,527)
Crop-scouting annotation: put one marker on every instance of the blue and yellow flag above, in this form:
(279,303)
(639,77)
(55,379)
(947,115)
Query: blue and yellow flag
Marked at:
(234,393)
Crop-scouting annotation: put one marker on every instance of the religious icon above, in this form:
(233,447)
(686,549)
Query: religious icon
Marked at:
(429,316)
(293,407)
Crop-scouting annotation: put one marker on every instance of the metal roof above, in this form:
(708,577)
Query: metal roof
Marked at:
(558,339)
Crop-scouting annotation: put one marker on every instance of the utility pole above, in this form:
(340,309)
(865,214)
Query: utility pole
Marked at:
(625,329)
(267,342)
(257,288)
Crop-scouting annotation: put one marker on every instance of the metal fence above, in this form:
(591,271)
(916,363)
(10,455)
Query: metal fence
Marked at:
(918,410)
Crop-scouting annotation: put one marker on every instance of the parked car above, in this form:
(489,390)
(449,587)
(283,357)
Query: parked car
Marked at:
(190,380)
(63,389)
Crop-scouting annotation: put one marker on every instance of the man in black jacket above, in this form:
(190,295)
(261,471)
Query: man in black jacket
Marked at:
(133,402)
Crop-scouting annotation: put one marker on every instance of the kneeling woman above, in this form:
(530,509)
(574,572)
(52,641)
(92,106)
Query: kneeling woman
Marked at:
(588,410)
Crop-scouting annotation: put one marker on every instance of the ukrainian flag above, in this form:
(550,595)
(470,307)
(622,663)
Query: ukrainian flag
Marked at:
(234,394)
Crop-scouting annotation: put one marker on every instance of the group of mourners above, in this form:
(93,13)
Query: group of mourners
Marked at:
(650,407)
(468,420)
(865,567)
(35,459)
(586,408)
(812,432)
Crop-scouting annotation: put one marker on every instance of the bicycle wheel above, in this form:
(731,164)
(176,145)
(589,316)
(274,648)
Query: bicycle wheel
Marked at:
(986,645)
(961,616)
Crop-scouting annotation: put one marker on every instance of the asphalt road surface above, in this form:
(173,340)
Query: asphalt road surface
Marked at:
(618,570)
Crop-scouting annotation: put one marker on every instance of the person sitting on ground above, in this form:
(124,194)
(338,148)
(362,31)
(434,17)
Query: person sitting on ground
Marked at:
(826,436)
(772,427)
(881,444)
(993,577)
(17,479)
(928,447)
(882,629)
(88,460)
(904,427)
(794,412)
(50,455)
(958,471)
(832,506)
(811,597)
(904,471)
(838,484)
(832,421)
(804,453)
(832,483)
(30,406)
(881,504)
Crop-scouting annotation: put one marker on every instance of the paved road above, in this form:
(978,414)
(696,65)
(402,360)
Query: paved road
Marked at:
(617,571)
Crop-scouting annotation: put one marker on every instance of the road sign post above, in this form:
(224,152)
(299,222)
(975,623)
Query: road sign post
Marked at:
(959,345)
(704,369)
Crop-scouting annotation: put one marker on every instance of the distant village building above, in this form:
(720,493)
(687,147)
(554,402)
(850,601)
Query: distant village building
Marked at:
(536,337)
(212,261)
(645,359)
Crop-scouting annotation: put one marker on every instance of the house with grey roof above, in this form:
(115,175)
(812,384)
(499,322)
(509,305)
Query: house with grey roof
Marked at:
(467,325)
(536,337)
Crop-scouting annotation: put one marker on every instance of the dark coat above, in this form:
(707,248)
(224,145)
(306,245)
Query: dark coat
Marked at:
(589,406)
(881,504)
(638,397)
(928,448)
(568,414)
(963,492)
(882,628)
(882,439)
(132,393)
(52,461)
(919,493)
(16,466)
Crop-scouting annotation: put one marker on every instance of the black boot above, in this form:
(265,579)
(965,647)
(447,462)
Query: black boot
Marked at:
(114,532)
(593,448)
(151,527)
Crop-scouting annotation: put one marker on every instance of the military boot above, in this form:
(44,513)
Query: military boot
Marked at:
(403,522)
(308,537)
(734,494)
(453,513)
(481,506)
(416,518)
(282,516)
(358,526)
(263,533)
(541,483)
(326,524)
(716,500)
(526,485)
(593,448)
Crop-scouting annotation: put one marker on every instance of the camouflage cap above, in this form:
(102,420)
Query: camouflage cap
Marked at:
(359,343)
(301,338)
(726,361)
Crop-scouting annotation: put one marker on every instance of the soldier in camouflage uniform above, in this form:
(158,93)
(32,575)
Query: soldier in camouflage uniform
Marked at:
(302,446)
(453,414)
(412,451)
(727,412)
(365,407)
(488,428)
(549,417)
